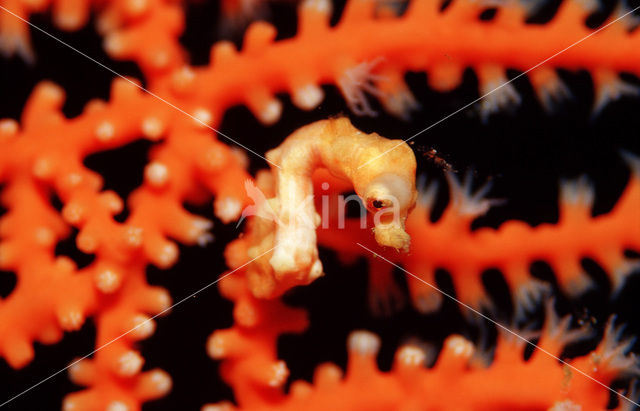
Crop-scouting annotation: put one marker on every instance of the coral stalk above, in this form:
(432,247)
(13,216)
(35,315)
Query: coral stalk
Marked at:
(52,295)
(461,377)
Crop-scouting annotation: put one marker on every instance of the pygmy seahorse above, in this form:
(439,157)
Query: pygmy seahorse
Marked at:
(382,173)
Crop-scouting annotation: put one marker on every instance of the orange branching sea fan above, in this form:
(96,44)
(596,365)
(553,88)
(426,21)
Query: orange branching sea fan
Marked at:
(451,187)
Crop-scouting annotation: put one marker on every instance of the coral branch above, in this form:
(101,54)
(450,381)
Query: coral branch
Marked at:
(366,54)
(52,295)
(541,382)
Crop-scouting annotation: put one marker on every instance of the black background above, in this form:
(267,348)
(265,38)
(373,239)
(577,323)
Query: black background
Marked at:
(525,153)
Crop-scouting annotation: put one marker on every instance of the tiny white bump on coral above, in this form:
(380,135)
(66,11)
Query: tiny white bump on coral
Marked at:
(308,97)
(42,167)
(161,381)
(156,173)
(271,112)
(70,319)
(460,346)
(133,236)
(167,255)
(105,131)
(228,209)
(364,343)
(117,406)
(129,364)
(73,213)
(108,280)
(216,347)
(142,326)
(152,128)
(411,355)
(280,374)
(44,236)
(8,127)
(203,117)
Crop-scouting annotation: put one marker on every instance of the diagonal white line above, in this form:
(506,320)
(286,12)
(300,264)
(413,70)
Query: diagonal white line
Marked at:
(133,329)
(500,86)
(507,329)
(137,85)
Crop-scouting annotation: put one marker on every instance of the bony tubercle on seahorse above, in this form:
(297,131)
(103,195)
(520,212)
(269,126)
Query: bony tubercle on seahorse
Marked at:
(283,236)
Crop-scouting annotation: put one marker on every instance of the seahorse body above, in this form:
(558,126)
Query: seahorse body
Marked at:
(381,171)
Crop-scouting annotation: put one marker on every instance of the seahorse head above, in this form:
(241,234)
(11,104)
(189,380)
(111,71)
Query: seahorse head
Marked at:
(390,197)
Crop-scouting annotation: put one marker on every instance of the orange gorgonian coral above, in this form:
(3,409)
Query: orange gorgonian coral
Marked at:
(460,379)
(370,51)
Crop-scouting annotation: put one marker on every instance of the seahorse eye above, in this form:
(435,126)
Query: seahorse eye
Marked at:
(377,204)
